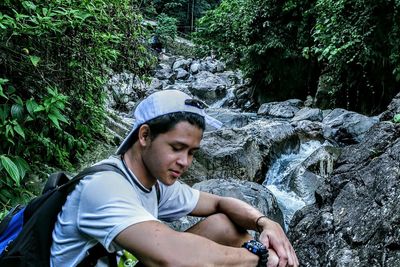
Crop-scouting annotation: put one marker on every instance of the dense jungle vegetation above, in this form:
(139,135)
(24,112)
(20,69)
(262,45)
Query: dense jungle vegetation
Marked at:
(345,51)
(55,56)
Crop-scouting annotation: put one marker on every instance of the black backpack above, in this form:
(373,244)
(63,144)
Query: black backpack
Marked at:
(26,232)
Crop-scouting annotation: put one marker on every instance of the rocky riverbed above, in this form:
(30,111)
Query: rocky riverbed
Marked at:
(349,184)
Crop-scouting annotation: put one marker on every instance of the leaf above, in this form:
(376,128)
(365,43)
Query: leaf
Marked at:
(11,168)
(54,119)
(2,93)
(35,60)
(29,5)
(31,105)
(19,130)
(22,165)
(39,108)
(17,111)
(4,111)
(58,115)
(396,118)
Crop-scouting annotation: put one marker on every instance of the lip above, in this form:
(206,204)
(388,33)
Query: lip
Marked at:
(175,174)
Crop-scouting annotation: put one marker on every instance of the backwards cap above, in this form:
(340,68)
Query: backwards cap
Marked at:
(162,103)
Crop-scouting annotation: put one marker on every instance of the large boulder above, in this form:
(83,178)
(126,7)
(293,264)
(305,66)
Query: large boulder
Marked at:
(346,127)
(355,220)
(226,153)
(286,109)
(208,87)
(252,193)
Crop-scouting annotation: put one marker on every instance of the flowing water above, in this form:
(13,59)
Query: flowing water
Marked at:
(276,179)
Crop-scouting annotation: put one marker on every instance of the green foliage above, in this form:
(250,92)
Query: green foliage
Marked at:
(264,38)
(348,48)
(396,118)
(54,59)
(185,12)
(166,27)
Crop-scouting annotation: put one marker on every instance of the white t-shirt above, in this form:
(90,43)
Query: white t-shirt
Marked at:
(104,204)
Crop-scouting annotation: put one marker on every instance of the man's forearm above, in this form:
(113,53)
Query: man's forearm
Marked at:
(157,245)
(241,213)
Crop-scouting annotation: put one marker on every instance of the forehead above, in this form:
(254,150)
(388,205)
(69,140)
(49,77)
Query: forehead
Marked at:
(185,133)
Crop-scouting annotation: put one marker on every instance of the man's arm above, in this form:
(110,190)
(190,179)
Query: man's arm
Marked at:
(155,244)
(246,216)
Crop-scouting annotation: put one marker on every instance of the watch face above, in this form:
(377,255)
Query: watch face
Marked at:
(255,247)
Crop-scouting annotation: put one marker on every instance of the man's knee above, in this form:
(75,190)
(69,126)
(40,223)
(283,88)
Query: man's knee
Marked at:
(219,228)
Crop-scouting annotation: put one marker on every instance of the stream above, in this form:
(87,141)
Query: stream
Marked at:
(276,179)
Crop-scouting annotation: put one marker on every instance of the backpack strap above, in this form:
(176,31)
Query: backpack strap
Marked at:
(98,251)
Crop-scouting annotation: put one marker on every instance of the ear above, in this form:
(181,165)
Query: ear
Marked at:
(144,135)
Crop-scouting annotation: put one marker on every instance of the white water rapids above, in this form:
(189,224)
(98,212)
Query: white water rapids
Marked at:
(288,201)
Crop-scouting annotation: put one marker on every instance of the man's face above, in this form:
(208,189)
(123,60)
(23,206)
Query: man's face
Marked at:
(170,154)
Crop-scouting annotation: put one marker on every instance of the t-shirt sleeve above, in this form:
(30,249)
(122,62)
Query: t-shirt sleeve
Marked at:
(176,201)
(107,206)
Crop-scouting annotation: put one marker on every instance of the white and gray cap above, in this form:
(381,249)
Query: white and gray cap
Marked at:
(165,102)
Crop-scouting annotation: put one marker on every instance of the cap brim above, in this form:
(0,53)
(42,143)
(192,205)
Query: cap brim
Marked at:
(127,143)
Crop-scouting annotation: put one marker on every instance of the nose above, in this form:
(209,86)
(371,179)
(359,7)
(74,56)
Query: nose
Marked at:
(183,160)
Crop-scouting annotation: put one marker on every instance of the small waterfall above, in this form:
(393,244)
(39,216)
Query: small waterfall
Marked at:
(220,103)
(278,181)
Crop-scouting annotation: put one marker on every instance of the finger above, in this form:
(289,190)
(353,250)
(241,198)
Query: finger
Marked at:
(273,259)
(295,260)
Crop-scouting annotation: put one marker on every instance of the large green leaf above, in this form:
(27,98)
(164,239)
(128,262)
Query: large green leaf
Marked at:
(54,119)
(22,165)
(31,105)
(17,111)
(11,168)
(19,130)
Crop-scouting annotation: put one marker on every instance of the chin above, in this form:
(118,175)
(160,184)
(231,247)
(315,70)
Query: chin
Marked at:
(168,182)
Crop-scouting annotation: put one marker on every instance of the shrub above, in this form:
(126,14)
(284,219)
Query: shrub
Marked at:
(55,55)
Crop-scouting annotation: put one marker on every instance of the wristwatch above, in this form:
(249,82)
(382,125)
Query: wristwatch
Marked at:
(258,249)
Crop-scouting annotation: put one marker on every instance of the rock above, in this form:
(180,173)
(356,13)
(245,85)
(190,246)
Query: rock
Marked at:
(308,129)
(355,220)
(123,88)
(208,87)
(226,153)
(232,119)
(310,114)
(195,67)
(251,193)
(181,74)
(285,109)
(181,64)
(393,109)
(346,127)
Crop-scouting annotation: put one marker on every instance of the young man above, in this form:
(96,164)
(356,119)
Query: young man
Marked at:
(124,213)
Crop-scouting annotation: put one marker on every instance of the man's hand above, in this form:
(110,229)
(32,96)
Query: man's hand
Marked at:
(274,238)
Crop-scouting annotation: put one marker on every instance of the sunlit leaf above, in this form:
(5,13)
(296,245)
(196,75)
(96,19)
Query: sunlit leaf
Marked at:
(396,118)
(54,119)
(35,60)
(11,168)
